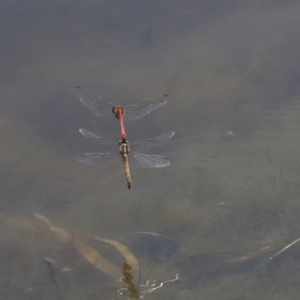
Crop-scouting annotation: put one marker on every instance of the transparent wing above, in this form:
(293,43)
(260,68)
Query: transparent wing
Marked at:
(151,161)
(153,142)
(137,111)
(98,106)
(98,140)
(93,158)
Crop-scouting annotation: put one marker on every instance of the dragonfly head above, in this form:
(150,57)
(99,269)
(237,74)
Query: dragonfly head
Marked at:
(123,141)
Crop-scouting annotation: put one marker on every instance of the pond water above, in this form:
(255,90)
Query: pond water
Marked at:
(224,215)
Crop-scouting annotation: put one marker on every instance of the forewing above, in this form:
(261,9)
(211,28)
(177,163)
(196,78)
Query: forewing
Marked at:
(98,106)
(139,110)
(153,142)
(151,161)
(98,140)
(93,158)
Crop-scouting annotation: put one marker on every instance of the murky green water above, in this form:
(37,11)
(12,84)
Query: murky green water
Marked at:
(229,200)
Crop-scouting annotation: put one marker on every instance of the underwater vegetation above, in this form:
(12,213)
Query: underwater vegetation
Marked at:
(170,266)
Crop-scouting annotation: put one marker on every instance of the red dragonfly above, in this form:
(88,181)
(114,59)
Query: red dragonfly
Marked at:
(103,108)
(141,160)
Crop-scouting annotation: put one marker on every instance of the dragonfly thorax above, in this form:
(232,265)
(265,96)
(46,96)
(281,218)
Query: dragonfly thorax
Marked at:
(124,147)
(118,111)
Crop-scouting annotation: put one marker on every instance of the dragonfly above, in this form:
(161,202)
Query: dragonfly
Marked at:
(141,160)
(103,108)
